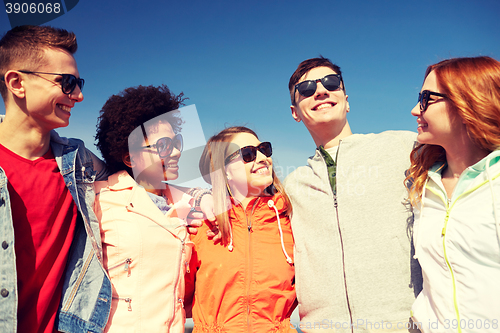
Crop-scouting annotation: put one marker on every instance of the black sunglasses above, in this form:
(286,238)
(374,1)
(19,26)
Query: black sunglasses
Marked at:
(68,82)
(249,153)
(166,145)
(423,98)
(308,88)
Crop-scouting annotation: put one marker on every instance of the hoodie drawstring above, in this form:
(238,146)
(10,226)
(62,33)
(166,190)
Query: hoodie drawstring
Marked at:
(230,246)
(495,213)
(270,203)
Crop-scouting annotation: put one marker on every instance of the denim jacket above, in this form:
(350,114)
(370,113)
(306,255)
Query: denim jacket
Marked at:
(86,295)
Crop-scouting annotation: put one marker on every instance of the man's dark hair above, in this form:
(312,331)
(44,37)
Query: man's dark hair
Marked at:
(305,66)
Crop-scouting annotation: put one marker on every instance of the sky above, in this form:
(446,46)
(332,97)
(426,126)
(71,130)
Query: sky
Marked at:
(233,59)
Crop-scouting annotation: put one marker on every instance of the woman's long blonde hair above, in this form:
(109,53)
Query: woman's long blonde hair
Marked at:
(472,87)
(212,167)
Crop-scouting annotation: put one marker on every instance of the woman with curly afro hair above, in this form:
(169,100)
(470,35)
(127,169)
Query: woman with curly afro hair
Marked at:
(146,246)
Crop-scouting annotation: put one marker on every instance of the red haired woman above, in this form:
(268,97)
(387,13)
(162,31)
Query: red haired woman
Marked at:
(455,191)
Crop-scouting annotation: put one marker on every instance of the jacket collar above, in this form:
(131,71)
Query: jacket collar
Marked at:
(139,203)
(261,204)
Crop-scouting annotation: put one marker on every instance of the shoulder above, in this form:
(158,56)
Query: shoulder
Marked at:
(402,135)
(313,162)
(278,200)
(299,175)
(118,181)
(388,140)
(405,138)
(63,143)
(386,135)
(62,140)
(315,171)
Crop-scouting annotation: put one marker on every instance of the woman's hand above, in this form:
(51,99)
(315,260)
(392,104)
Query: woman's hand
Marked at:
(194,221)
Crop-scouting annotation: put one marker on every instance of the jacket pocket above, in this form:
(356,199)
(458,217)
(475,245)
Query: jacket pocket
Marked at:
(125,265)
(127,300)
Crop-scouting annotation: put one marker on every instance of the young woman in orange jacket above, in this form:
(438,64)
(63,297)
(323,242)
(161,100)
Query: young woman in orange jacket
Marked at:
(245,281)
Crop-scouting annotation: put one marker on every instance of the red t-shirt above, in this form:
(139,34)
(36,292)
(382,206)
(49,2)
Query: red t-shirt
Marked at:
(44,216)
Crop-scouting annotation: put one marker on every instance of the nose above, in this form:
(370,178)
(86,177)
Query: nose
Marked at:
(260,157)
(77,94)
(416,110)
(320,89)
(176,153)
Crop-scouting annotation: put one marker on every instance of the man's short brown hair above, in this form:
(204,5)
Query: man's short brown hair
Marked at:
(305,66)
(23,48)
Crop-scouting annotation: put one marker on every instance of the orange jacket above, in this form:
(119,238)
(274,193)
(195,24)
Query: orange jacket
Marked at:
(252,288)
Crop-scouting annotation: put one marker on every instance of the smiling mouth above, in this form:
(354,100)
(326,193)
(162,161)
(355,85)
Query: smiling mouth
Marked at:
(324,105)
(64,107)
(172,165)
(262,171)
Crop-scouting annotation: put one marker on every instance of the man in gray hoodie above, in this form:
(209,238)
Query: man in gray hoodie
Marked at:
(354,267)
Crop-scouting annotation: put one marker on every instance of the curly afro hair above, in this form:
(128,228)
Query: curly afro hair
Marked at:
(124,112)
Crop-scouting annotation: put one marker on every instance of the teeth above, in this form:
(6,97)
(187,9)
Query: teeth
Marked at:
(322,106)
(171,165)
(64,108)
(262,170)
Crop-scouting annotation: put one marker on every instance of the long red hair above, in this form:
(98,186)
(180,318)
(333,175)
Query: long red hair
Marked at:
(472,87)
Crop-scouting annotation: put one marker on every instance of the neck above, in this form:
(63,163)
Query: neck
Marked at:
(150,187)
(331,138)
(21,136)
(246,201)
(460,159)
(243,199)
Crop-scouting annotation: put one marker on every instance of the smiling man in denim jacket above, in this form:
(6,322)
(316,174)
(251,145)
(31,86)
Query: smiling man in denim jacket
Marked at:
(51,273)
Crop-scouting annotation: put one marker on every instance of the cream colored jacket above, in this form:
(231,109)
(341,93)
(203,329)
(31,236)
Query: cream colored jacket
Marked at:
(145,254)
(457,242)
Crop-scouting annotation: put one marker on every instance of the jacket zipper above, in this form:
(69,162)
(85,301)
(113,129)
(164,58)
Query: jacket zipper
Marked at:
(448,206)
(126,299)
(182,250)
(126,268)
(249,262)
(343,263)
(443,233)
(335,204)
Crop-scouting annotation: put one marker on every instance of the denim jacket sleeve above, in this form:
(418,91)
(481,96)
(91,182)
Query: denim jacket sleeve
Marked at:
(8,274)
(86,296)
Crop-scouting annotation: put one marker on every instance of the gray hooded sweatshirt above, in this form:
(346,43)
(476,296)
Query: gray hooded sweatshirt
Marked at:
(353,260)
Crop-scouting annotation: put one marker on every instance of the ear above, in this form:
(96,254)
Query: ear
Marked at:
(15,84)
(295,113)
(127,160)
(348,106)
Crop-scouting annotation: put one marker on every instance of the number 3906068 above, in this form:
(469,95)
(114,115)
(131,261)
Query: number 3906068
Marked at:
(32,8)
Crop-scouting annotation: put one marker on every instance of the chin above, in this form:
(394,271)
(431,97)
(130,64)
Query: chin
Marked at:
(259,188)
(171,176)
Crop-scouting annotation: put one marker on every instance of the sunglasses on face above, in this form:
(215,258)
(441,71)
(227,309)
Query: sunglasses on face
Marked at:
(249,153)
(68,81)
(166,145)
(308,88)
(423,98)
